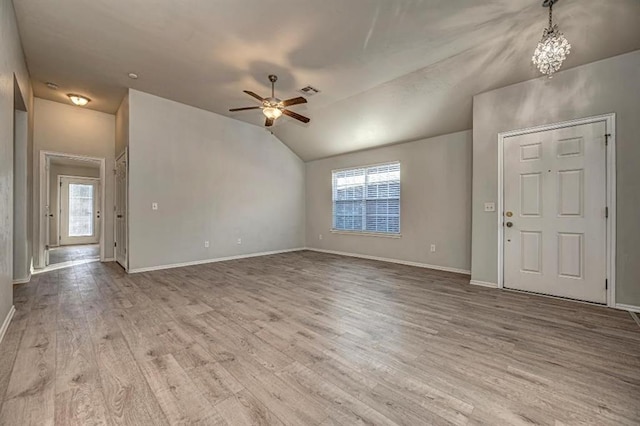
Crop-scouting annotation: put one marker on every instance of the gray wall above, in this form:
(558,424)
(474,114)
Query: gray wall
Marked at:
(21,222)
(435,202)
(11,62)
(122,126)
(74,130)
(59,170)
(612,85)
(214,178)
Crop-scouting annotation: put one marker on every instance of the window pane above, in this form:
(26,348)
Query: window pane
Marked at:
(80,210)
(367,199)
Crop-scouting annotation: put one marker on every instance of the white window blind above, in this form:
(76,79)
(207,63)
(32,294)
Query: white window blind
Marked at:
(367,199)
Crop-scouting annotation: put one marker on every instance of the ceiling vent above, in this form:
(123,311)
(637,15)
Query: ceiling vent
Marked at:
(309,91)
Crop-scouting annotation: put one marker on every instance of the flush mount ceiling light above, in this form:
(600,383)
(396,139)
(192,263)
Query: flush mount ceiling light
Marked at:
(78,99)
(553,48)
(133,76)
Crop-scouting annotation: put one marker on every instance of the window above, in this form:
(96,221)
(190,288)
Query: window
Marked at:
(367,199)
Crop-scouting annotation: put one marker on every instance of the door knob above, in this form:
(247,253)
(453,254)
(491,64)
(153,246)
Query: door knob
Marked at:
(509,224)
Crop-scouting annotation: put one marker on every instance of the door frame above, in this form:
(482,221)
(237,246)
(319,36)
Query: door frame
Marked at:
(124,154)
(59,216)
(610,153)
(44,183)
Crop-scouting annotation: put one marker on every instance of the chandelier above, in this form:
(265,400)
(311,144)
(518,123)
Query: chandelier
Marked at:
(553,48)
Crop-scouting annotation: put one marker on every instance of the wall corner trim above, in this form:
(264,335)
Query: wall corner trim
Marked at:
(483,284)
(22,280)
(218,259)
(400,262)
(630,308)
(7,320)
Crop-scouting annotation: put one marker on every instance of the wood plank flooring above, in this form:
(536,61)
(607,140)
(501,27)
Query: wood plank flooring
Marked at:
(309,339)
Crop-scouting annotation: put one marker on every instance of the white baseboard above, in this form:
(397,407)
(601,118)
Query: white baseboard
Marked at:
(398,261)
(483,284)
(7,320)
(201,262)
(109,259)
(22,280)
(630,308)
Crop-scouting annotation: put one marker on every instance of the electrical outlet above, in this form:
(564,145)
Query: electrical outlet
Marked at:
(320,236)
(239,240)
(206,244)
(489,207)
(154,206)
(433,248)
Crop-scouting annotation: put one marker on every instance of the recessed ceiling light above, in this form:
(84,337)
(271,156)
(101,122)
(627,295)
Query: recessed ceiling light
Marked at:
(51,85)
(133,76)
(78,99)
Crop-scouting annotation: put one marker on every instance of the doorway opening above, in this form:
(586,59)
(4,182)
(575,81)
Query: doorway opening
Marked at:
(72,200)
(557,204)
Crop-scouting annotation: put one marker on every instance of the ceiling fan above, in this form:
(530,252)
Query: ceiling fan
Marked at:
(273,107)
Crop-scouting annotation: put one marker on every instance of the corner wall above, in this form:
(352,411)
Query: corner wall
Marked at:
(11,63)
(611,85)
(214,179)
(435,203)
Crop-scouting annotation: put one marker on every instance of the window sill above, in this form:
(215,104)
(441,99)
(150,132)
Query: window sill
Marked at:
(366,234)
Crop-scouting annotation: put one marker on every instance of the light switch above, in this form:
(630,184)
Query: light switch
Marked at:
(489,207)
(154,206)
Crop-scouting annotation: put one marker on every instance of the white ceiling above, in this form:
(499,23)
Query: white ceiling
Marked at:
(389,71)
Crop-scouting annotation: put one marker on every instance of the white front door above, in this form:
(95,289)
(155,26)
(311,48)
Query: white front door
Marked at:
(79,211)
(121,210)
(555,212)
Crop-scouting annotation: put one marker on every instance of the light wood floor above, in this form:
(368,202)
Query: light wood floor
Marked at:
(307,338)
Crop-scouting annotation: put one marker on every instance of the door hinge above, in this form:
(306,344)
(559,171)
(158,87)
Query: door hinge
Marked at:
(115,244)
(606,284)
(606,212)
(606,139)
(60,184)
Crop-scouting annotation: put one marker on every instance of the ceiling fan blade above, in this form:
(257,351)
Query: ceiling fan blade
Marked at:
(268,122)
(244,109)
(294,101)
(296,116)
(254,95)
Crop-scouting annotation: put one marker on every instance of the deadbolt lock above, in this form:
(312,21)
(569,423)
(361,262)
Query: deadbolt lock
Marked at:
(509,214)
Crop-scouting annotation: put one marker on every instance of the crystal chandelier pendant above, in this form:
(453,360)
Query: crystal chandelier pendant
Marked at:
(553,48)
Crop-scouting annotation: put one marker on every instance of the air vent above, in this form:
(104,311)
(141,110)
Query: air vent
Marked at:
(309,91)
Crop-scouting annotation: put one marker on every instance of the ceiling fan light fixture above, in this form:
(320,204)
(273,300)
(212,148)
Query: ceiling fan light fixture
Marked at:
(272,112)
(553,48)
(78,100)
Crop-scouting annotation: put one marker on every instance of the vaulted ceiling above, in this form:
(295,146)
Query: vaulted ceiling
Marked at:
(388,71)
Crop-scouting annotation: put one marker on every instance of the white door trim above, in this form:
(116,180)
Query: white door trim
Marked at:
(42,237)
(610,122)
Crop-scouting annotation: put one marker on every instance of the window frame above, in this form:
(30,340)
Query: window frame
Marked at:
(365,232)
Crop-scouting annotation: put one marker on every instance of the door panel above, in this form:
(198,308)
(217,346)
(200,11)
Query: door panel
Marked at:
(554,202)
(79,211)
(121,211)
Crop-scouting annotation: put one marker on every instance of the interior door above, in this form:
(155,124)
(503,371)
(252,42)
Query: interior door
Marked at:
(121,210)
(79,210)
(555,212)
